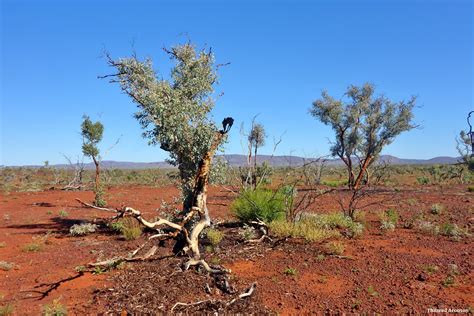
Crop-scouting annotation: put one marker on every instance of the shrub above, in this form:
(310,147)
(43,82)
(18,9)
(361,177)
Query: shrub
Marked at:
(388,220)
(32,247)
(215,236)
(54,309)
(470,189)
(290,271)
(428,227)
(423,180)
(317,227)
(131,228)
(452,230)
(371,291)
(335,248)
(247,232)
(259,204)
(63,213)
(82,229)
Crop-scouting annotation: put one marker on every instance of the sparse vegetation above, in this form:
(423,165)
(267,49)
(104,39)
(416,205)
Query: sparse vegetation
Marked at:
(63,213)
(6,309)
(82,229)
(290,271)
(388,220)
(55,309)
(32,247)
(334,248)
(6,266)
(215,236)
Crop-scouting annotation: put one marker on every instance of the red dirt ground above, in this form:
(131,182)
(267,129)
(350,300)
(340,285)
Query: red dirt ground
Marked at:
(382,273)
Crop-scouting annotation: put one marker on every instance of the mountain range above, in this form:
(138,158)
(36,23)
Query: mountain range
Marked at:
(241,160)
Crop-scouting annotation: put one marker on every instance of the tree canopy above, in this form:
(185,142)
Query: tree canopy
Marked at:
(175,113)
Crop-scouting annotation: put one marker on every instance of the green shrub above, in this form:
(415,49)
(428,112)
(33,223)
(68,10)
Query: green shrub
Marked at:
(290,271)
(423,180)
(453,231)
(259,204)
(470,189)
(54,309)
(215,236)
(388,220)
(131,228)
(63,213)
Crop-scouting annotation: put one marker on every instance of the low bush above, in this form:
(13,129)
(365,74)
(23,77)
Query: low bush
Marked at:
(6,266)
(54,309)
(453,231)
(32,247)
(259,204)
(470,189)
(82,229)
(388,220)
(215,236)
(335,248)
(318,227)
(131,228)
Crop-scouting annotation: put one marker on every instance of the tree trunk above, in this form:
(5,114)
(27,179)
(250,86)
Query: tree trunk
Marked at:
(97,174)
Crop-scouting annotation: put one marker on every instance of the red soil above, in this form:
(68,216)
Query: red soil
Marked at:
(383,273)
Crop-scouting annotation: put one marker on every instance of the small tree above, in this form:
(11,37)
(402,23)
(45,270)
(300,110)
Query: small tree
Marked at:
(363,125)
(256,139)
(175,114)
(91,136)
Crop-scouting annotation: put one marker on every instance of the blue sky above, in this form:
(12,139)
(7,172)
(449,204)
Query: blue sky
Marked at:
(282,54)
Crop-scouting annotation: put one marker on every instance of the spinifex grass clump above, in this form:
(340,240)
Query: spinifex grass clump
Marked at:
(318,227)
(259,204)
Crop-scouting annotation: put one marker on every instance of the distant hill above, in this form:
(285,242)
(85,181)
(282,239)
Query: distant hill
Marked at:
(241,160)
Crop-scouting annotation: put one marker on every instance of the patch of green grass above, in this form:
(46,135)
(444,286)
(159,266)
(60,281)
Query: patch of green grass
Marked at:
(55,309)
(49,212)
(215,236)
(6,266)
(32,247)
(470,188)
(98,270)
(320,257)
(63,213)
(290,271)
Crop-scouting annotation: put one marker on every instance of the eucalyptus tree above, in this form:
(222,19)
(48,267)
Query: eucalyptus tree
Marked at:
(92,133)
(175,114)
(363,125)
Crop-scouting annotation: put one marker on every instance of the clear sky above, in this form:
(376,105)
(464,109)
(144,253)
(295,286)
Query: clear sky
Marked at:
(282,54)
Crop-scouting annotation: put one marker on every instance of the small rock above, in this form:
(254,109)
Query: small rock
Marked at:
(422,277)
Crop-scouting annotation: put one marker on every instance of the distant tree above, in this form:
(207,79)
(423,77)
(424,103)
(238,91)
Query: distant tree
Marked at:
(363,126)
(175,114)
(465,145)
(91,136)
